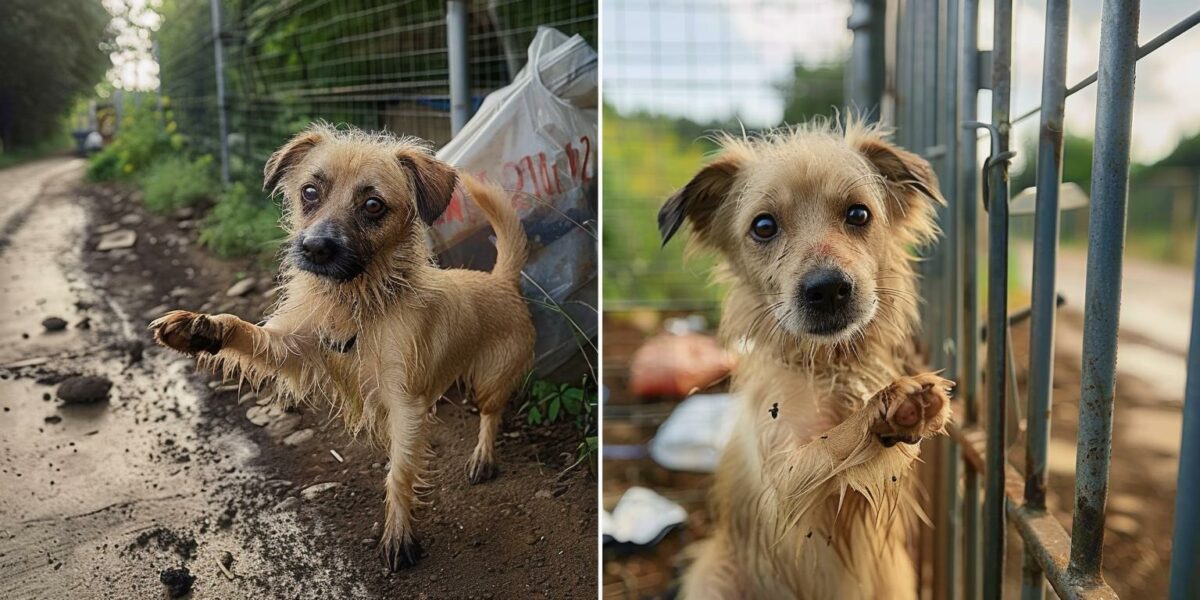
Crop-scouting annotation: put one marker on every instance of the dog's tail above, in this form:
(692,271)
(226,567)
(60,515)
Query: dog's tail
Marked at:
(511,248)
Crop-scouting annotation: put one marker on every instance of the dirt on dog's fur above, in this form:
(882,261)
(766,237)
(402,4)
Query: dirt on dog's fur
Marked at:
(366,321)
(814,227)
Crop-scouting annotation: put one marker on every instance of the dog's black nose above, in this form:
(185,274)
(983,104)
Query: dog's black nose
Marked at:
(826,291)
(318,249)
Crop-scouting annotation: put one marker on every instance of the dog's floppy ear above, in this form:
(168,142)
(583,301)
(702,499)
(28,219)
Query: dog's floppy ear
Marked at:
(432,180)
(905,173)
(288,155)
(698,200)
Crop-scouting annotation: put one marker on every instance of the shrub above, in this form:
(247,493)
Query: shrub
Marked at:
(174,181)
(242,223)
(145,135)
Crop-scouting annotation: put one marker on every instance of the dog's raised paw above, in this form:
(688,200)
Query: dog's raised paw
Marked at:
(399,552)
(187,332)
(912,408)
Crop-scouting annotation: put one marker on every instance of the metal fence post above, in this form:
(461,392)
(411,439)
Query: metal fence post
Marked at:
(1106,244)
(994,522)
(456,50)
(1045,255)
(219,68)
(967,194)
(865,83)
(1185,549)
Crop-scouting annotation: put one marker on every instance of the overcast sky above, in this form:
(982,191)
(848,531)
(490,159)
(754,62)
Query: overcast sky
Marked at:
(715,59)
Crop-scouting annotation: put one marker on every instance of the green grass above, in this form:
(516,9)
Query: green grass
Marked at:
(174,182)
(242,223)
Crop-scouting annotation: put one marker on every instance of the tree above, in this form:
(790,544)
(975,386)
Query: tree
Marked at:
(54,50)
(812,91)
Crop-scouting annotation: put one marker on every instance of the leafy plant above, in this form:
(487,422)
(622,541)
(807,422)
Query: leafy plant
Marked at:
(145,136)
(174,181)
(243,223)
(549,402)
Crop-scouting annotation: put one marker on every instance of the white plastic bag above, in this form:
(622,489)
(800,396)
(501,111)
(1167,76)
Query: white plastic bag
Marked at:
(537,138)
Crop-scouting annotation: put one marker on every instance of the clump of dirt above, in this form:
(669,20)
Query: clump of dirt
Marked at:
(178,581)
(182,544)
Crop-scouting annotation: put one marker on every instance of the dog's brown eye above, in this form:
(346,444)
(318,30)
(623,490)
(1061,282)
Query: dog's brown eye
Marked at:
(373,207)
(858,215)
(764,228)
(309,193)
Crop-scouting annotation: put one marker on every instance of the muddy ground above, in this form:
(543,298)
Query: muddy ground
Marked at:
(1147,429)
(97,500)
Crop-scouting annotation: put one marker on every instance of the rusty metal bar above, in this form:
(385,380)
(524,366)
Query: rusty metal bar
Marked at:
(1045,257)
(1040,530)
(997,182)
(1106,245)
(1185,549)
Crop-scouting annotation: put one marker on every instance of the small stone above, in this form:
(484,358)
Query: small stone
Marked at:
(186,224)
(368,542)
(84,389)
(181,292)
(241,288)
(298,437)
(53,419)
(107,228)
(54,324)
(312,491)
(258,415)
(185,212)
(117,240)
(544,494)
(284,425)
(288,503)
(1123,524)
(131,219)
(247,397)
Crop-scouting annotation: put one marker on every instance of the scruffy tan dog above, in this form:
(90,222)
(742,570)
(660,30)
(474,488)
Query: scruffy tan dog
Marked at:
(815,226)
(366,320)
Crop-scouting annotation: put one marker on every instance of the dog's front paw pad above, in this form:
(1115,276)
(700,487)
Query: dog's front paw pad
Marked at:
(187,332)
(399,552)
(913,408)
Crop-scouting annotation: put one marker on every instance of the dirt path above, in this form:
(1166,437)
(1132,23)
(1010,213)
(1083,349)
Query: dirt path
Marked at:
(96,500)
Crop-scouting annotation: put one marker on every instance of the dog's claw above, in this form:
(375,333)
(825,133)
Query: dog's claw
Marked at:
(479,471)
(187,332)
(400,552)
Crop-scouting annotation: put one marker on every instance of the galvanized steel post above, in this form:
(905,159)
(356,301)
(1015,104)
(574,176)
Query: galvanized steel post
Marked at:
(1045,256)
(1185,549)
(996,459)
(456,51)
(219,68)
(1106,244)
(967,196)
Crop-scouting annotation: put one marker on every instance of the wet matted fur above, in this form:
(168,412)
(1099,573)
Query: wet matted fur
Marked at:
(815,227)
(366,320)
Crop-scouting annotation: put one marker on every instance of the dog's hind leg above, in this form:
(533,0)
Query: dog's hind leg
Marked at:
(492,391)
(407,447)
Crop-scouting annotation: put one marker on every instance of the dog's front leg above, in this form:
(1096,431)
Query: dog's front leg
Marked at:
(265,350)
(407,448)
(871,450)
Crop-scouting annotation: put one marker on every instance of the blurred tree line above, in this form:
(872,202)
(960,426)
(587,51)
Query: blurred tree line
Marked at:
(51,53)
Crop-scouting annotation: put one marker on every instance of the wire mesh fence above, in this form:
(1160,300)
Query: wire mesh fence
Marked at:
(675,72)
(374,64)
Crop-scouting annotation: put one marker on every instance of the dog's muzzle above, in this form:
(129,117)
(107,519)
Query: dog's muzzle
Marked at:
(323,250)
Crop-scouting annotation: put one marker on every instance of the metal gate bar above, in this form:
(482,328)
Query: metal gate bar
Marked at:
(937,72)
(1045,256)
